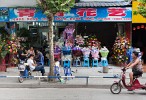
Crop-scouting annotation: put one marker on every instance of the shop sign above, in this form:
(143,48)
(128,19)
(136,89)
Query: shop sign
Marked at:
(26,14)
(141,16)
(4,15)
(111,14)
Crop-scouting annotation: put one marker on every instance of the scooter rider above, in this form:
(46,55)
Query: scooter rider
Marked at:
(136,66)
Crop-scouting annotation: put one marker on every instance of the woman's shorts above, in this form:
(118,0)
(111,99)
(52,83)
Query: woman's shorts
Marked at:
(137,73)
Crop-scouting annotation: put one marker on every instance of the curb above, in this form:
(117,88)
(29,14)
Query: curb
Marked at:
(53,86)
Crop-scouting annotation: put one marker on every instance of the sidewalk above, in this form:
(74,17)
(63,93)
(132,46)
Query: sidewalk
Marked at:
(76,82)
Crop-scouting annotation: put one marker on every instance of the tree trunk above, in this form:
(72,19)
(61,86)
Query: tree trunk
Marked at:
(51,48)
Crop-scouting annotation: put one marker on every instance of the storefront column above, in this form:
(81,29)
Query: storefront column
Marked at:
(128,30)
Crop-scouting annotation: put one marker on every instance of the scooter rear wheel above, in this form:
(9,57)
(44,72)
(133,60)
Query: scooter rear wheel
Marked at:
(115,88)
(20,79)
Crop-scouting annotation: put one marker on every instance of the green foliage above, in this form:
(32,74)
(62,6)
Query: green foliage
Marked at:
(141,8)
(3,32)
(54,6)
(23,32)
(142,1)
(3,48)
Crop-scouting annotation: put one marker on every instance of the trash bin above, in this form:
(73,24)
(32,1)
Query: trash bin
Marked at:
(105,69)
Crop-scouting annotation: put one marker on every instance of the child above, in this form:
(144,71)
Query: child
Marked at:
(57,68)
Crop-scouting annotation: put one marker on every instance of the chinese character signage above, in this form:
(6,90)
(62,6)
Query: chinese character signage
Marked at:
(4,15)
(96,15)
(139,14)
(26,14)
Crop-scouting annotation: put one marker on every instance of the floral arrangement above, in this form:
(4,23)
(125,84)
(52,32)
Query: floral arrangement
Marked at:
(95,53)
(7,46)
(86,52)
(120,48)
(4,48)
(69,43)
(104,52)
(79,40)
(68,35)
(77,52)
(93,41)
(57,49)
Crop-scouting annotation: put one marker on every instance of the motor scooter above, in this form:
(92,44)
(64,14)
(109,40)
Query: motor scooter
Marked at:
(24,71)
(117,86)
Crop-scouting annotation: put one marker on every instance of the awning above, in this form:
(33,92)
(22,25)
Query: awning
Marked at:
(102,4)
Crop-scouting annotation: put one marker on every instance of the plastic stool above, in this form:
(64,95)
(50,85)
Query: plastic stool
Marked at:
(66,63)
(67,72)
(104,63)
(95,63)
(86,62)
(77,62)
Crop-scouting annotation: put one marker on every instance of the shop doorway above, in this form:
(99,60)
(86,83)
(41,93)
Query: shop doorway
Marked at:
(60,31)
(105,32)
(139,38)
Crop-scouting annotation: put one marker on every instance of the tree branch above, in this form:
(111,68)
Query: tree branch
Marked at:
(39,2)
(66,2)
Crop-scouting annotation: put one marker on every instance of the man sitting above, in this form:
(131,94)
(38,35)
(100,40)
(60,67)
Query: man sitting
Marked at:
(39,58)
(33,66)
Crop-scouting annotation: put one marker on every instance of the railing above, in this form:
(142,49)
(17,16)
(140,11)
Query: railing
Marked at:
(49,77)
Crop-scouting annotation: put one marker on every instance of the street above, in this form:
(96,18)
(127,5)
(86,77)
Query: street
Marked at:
(67,94)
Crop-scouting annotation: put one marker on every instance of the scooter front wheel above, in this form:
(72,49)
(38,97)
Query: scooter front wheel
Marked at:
(115,88)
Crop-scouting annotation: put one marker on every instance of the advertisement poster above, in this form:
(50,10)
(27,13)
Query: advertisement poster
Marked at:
(4,15)
(139,11)
(111,14)
(26,14)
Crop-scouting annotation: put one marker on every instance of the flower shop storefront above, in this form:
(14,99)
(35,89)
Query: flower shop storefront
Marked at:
(9,43)
(91,29)
(139,26)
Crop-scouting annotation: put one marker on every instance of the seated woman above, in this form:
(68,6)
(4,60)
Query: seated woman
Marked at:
(31,51)
(136,66)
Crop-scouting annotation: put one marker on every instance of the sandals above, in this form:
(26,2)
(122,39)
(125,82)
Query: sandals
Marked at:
(129,84)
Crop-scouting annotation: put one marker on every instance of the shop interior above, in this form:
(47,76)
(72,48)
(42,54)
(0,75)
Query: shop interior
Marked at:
(106,33)
(138,38)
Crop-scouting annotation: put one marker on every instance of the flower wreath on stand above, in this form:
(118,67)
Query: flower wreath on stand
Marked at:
(3,52)
(120,47)
(8,46)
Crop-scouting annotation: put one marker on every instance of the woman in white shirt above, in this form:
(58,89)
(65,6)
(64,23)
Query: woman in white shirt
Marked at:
(35,67)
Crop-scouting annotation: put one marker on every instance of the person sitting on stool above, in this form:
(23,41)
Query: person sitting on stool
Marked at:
(35,67)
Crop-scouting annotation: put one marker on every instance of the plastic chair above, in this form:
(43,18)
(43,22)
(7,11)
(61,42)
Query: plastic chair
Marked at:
(86,62)
(77,63)
(66,63)
(104,62)
(67,72)
(95,62)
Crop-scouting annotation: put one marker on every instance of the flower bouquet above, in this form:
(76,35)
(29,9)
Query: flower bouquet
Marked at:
(104,52)
(77,52)
(86,52)
(95,53)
